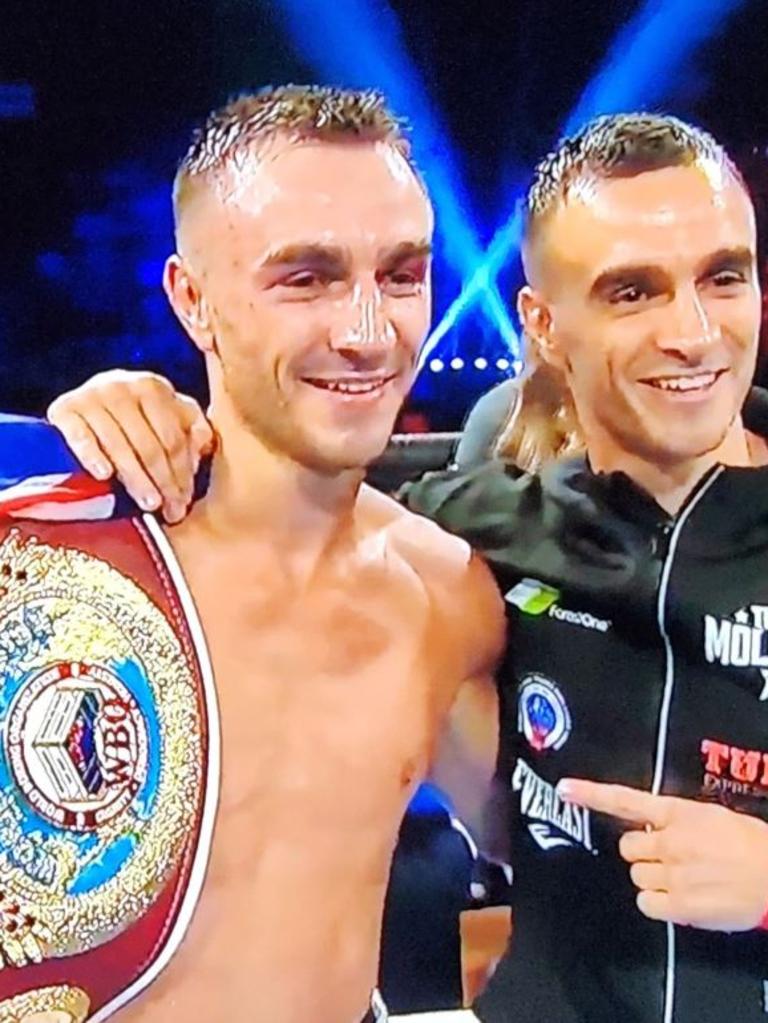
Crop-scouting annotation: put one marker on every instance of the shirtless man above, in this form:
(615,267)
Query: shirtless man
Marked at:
(647,672)
(340,626)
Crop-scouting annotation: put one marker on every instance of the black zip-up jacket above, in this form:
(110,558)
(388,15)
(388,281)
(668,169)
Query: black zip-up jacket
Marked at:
(638,654)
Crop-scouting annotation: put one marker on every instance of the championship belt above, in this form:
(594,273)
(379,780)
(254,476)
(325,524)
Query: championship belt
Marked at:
(108,765)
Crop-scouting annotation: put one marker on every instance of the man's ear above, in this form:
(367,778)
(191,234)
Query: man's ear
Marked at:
(188,302)
(536,318)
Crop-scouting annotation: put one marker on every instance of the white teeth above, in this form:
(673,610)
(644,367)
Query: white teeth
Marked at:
(684,383)
(350,386)
(356,388)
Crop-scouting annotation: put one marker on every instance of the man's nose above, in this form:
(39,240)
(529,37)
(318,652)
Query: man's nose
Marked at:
(691,330)
(361,323)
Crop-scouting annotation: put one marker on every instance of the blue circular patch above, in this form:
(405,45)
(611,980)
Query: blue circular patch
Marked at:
(543,716)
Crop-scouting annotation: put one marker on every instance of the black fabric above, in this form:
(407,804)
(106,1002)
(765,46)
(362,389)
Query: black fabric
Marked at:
(639,605)
(431,871)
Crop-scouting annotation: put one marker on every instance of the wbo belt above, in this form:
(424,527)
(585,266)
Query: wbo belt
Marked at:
(108,765)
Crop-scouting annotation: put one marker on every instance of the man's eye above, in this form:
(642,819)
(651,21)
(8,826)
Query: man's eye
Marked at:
(303,279)
(629,294)
(727,278)
(403,281)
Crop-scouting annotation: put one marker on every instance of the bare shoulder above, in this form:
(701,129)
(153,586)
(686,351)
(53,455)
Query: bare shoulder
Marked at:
(436,556)
(465,596)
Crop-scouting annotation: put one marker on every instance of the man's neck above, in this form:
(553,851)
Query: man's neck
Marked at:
(670,483)
(259,497)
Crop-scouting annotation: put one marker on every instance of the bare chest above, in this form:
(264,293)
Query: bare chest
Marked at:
(327,703)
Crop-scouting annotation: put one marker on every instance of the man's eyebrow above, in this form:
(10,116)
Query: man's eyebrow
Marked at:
(406,250)
(615,276)
(739,257)
(305,253)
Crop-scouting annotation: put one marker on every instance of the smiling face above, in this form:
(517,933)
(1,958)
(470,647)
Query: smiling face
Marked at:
(645,293)
(310,266)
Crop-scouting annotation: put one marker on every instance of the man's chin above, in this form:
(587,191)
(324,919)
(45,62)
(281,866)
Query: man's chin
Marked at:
(350,457)
(674,451)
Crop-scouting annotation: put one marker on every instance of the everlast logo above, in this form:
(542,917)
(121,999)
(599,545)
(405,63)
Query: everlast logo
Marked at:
(556,822)
(730,770)
(741,642)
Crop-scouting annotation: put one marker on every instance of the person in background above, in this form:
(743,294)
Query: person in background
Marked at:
(525,420)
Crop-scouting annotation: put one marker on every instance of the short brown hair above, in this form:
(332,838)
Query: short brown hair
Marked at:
(300,111)
(618,145)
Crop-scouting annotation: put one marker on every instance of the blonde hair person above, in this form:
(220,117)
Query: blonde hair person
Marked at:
(542,422)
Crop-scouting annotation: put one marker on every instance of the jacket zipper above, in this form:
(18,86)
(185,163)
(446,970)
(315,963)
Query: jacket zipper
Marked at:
(669,685)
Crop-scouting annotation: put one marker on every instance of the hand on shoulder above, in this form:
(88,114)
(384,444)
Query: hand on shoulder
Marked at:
(136,426)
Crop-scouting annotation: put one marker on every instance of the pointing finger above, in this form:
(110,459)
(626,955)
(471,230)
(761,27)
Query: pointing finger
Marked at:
(633,805)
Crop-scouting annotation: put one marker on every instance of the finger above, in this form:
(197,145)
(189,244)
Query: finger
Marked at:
(198,427)
(656,906)
(174,458)
(146,447)
(652,877)
(636,846)
(127,465)
(685,911)
(632,805)
(83,444)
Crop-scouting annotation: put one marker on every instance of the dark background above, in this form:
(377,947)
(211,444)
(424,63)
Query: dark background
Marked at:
(117,85)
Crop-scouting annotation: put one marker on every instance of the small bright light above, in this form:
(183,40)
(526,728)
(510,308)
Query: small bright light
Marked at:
(502,363)
(457,363)
(481,363)
(436,365)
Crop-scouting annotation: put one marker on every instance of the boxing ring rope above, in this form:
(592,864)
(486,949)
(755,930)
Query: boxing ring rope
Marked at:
(409,455)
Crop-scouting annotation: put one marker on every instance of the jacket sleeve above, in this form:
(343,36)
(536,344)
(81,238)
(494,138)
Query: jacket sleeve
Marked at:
(485,506)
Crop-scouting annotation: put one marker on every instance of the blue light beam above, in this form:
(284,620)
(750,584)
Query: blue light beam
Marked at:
(637,72)
(355,42)
(506,241)
(647,53)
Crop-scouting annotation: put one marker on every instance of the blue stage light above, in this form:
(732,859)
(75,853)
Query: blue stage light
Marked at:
(360,44)
(17,100)
(637,72)
(504,243)
(648,53)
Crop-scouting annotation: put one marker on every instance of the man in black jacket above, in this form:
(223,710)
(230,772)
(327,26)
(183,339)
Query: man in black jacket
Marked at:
(636,585)
(634,697)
